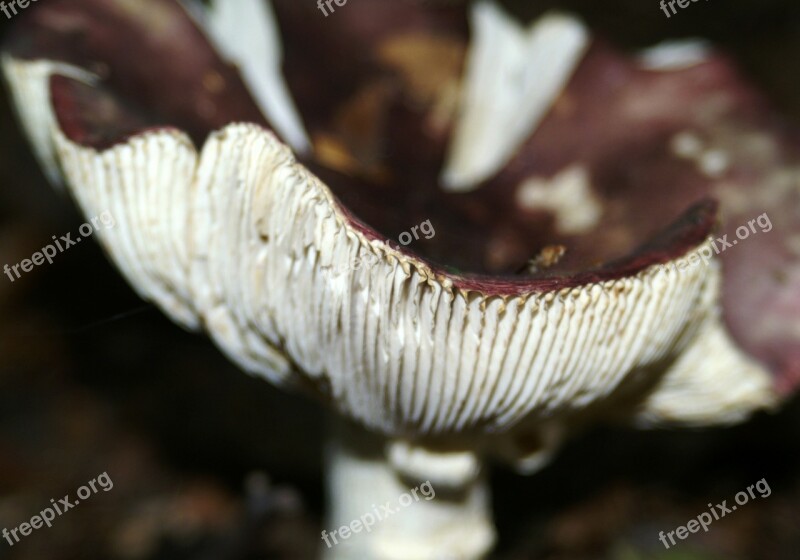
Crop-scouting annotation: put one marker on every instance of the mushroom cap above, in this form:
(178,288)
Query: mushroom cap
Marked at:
(228,229)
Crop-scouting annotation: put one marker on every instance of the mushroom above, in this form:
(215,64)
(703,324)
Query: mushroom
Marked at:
(572,278)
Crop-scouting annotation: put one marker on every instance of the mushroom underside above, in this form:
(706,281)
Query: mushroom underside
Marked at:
(615,181)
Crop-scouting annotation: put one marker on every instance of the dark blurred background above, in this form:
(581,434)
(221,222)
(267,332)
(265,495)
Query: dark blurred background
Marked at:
(209,463)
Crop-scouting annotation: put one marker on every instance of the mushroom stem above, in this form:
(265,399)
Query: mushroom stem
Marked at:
(388,513)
